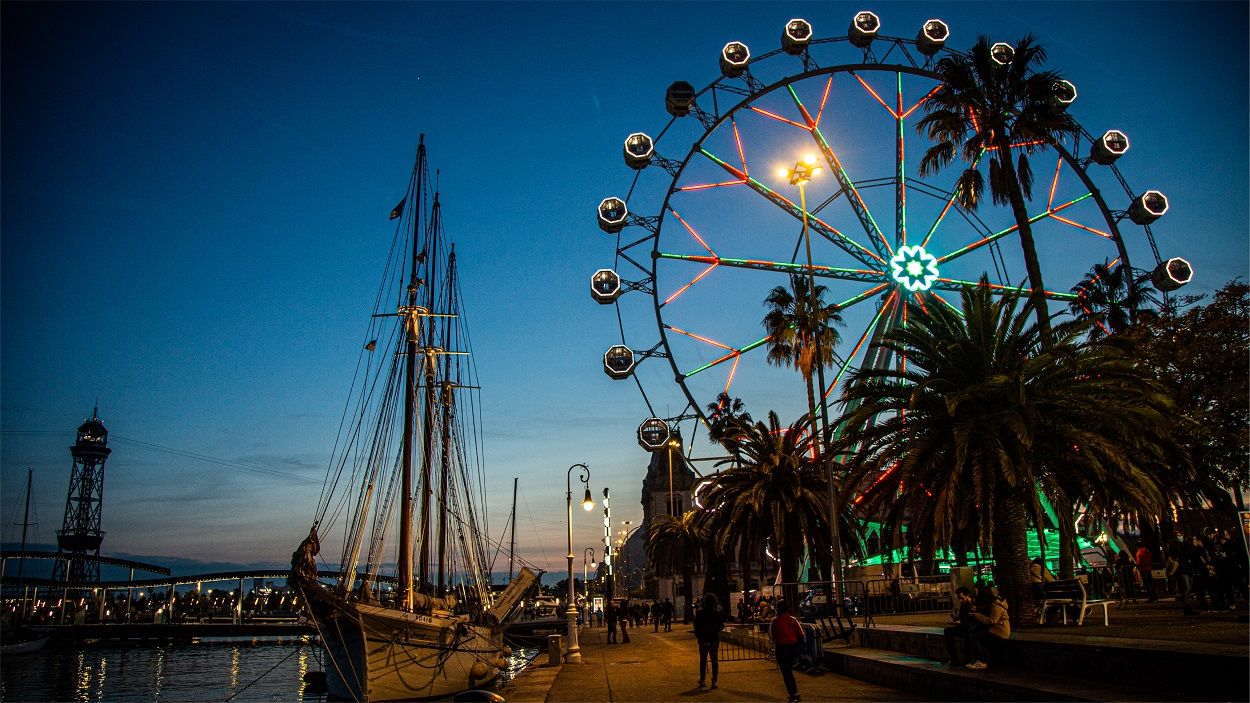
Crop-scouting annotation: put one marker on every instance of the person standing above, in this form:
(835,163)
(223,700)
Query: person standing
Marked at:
(610,614)
(656,608)
(624,622)
(1145,560)
(708,623)
(666,614)
(787,635)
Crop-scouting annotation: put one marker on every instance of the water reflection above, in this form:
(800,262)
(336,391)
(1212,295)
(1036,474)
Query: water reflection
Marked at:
(204,670)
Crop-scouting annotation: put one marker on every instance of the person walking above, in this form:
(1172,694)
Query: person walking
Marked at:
(708,623)
(656,607)
(1145,560)
(787,635)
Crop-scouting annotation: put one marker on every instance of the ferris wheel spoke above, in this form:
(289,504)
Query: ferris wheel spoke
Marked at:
(863,254)
(955,285)
(732,355)
(857,203)
(1049,212)
(788,268)
(868,332)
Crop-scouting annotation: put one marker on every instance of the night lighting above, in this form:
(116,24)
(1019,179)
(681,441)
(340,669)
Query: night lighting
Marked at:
(1002,53)
(1148,207)
(914,268)
(796,36)
(1172,274)
(932,36)
(612,215)
(863,29)
(734,58)
(639,148)
(1112,145)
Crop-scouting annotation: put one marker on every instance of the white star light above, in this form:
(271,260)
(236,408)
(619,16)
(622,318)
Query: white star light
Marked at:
(914,268)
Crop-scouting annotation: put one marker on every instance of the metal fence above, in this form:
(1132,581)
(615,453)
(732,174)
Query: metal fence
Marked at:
(743,642)
(921,594)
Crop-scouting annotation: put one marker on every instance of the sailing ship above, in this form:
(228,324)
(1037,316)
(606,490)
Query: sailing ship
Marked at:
(408,462)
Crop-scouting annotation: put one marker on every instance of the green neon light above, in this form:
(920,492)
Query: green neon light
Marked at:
(999,235)
(759,262)
(723,359)
(769,191)
(900,237)
(1012,289)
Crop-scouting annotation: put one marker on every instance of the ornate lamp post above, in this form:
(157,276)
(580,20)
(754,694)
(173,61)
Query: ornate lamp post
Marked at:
(574,653)
(587,552)
(800,176)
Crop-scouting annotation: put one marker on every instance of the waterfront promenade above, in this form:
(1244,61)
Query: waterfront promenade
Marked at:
(664,666)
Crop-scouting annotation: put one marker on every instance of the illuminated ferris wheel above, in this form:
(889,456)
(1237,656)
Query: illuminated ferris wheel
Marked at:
(708,226)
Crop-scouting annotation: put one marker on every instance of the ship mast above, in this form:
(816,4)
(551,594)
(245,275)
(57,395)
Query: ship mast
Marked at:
(405,521)
(447,439)
(430,355)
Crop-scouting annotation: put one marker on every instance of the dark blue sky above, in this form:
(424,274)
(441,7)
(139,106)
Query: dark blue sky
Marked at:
(194,216)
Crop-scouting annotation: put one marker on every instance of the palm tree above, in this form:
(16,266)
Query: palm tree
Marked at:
(985,416)
(984,108)
(1112,297)
(676,545)
(801,332)
(722,415)
(773,493)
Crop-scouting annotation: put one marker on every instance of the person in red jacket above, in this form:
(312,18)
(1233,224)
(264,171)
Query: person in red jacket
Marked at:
(787,636)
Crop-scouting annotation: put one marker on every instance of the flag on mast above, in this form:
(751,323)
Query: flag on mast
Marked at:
(398,209)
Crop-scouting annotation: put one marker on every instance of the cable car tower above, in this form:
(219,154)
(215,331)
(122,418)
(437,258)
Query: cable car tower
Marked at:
(80,534)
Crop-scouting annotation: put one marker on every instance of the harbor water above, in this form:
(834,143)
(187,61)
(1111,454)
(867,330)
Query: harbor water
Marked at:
(263,669)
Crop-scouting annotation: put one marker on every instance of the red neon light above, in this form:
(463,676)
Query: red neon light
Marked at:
(874,94)
(692,232)
(824,98)
(683,289)
(738,139)
(921,101)
(779,118)
(733,370)
(920,301)
(1066,221)
(862,338)
(701,338)
(1054,184)
(705,186)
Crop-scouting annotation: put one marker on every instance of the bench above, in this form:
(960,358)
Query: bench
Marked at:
(1058,594)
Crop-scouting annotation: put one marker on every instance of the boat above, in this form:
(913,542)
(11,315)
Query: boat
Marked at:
(406,611)
(23,640)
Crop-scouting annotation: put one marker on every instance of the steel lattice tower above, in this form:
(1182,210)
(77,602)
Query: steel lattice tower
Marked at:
(80,533)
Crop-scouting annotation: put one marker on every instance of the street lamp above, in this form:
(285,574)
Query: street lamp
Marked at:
(802,173)
(589,551)
(574,654)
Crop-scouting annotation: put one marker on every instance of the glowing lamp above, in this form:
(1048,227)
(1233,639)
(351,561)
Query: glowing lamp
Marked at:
(588,503)
(734,59)
(796,36)
(612,215)
(932,37)
(1147,207)
(863,29)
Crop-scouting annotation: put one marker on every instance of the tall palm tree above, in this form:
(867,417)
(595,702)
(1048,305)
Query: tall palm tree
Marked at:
(984,108)
(773,493)
(1112,297)
(984,416)
(677,545)
(801,332)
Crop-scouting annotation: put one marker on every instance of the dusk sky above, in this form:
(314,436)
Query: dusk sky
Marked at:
(194,220)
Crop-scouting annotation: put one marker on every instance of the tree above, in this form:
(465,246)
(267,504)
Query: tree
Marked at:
(986,108)
(984,417)
(801,332)
(1112,297)
(723,414)
(772,493)
(676,545)
(1202,353)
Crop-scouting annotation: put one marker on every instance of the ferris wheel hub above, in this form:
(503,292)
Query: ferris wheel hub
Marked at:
(914,268)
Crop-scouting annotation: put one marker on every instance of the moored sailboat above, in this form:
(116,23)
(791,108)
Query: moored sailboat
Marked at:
(404,457)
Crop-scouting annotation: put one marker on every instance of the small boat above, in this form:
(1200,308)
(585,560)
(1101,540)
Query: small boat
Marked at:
(402,489)
(22,640)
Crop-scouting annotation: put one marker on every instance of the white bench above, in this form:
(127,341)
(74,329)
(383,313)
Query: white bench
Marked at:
(1059,594)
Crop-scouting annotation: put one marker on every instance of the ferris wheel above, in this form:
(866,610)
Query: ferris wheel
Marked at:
(803,161)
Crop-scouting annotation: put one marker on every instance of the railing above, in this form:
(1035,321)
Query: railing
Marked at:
(745,642)
(815,605)
(922,594)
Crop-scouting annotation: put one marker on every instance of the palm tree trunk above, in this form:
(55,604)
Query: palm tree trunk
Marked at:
(1011,558)
(687,592)
(1016,196)
(1065,516)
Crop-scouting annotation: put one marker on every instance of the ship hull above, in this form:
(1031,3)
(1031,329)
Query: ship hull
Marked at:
(381,654)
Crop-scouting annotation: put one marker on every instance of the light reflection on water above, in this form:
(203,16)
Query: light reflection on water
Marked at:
(206,670)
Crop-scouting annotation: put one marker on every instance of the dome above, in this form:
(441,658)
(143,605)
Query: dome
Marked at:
(93,430)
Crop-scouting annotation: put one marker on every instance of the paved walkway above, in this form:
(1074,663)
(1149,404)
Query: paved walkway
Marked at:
(664,666)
